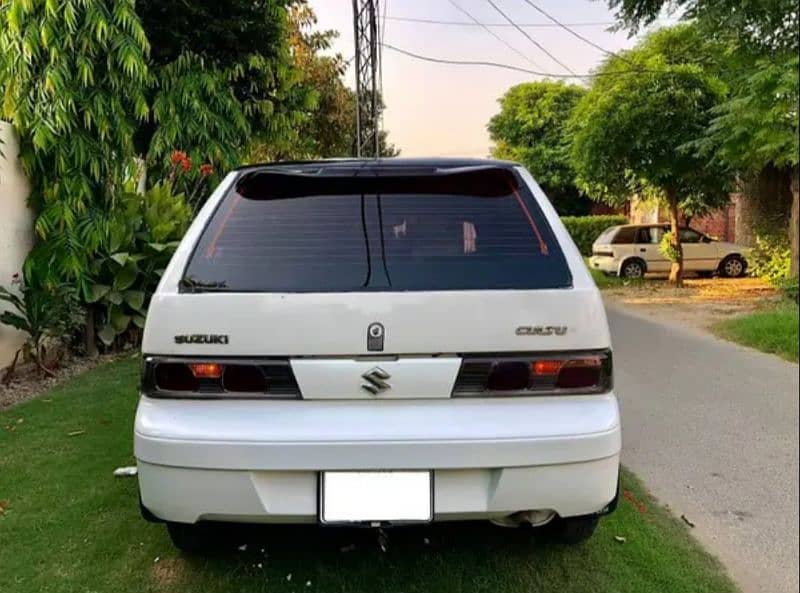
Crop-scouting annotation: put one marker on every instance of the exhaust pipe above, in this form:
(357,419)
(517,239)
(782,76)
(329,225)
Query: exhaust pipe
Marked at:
(534,518)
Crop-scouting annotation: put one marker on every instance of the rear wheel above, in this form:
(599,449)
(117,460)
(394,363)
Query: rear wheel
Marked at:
(197,538)
(570,530)
(632,268)
(733,266)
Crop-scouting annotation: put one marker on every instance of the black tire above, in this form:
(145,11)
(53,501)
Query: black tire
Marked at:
(197,538)
(632,268)
(570,531)
(733,266)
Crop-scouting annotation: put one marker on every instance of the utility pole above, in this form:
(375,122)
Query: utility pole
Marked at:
(365,29)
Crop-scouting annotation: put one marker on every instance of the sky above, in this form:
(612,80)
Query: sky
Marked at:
(442,110)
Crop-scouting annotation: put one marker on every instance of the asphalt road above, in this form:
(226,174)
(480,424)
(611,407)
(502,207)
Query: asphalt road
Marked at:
(712,429)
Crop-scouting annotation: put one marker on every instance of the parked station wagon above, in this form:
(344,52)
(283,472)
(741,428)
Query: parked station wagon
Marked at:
(630,251)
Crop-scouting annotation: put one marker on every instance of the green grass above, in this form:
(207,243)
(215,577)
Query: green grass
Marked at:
(772,330)
(69,526)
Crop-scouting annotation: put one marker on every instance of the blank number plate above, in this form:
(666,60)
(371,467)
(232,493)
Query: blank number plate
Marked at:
(358,497)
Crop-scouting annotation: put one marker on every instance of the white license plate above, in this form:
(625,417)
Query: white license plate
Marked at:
(357,497)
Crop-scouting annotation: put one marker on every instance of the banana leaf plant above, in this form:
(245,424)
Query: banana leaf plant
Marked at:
(144,231)
(45,313)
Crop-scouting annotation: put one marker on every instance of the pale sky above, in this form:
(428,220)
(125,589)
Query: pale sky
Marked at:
(442,110)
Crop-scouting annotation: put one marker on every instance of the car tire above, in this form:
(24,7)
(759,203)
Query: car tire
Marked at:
(733,266)
(570,530)
(632,268)
(197,538)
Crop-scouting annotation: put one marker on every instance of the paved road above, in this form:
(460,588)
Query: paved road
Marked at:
(712,429)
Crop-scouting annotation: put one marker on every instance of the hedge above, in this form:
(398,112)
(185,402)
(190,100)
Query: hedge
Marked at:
(585,229)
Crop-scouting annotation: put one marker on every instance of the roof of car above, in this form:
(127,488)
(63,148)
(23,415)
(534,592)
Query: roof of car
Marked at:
(387,163)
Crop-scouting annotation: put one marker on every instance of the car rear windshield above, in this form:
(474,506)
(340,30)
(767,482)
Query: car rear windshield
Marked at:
(296,232)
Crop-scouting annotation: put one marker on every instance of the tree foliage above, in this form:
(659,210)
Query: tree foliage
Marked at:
(89,84)
(72,78)
(531,128)
(763,24)
(223,78)
(635,133)
(327,128)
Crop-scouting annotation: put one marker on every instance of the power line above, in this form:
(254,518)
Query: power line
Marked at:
(493,34)
(408,19)
(515,68)
(558,23)
(531,39)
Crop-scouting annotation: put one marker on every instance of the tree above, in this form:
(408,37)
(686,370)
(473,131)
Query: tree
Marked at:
(531,128)
(223,77)
(755,131)
(763,24)
(89,84)
(327,129)
(635,132)
(72,79)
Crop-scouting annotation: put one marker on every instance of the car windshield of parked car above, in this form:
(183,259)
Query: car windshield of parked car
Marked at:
(295,233)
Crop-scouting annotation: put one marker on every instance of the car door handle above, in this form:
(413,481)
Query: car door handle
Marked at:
(643,250)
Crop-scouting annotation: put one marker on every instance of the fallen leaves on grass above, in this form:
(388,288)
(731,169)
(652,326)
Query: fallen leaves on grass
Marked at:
(638,505)
(619,539)
(4,504)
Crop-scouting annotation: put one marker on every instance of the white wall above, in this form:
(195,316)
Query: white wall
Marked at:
(16,229)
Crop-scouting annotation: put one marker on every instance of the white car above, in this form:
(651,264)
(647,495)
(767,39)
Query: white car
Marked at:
(377,342)
(630,251)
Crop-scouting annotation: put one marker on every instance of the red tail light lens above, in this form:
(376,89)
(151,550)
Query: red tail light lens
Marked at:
(235,378)
(580,373)
(244,379)
(519,374)
(175,376)
(508,376)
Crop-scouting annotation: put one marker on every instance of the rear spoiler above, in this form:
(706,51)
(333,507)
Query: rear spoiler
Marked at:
(480,181)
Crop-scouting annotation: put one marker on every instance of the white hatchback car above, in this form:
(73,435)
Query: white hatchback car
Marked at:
(630,251)
(377,342)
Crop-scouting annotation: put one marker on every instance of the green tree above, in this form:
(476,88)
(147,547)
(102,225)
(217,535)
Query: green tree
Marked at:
(223,78)
(755,130)
(635,132)
(327,129)
(759,24)
(531,128)
(72,82)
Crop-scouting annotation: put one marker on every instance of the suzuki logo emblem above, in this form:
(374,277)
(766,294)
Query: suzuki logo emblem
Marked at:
(375,380)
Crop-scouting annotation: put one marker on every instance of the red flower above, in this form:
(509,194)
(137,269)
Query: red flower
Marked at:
(186,164)
(178,157)
(206,170)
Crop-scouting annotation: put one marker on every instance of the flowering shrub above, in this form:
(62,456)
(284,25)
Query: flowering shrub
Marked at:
(185,178)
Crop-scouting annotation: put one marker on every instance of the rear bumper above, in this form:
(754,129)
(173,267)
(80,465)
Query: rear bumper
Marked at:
(259,461)
(604,263)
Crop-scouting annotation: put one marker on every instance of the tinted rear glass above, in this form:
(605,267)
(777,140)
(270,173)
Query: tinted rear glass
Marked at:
(421,233)
(626,234)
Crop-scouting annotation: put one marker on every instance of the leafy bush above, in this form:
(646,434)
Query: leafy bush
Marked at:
(585,229)
(771,257)
(144,231)
(46,313)
(667,249)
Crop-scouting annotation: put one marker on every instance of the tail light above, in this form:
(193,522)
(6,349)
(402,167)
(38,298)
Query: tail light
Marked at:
(570,373)
(178,378)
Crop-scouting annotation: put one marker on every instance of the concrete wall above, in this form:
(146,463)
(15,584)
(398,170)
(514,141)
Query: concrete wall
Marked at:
(16,229)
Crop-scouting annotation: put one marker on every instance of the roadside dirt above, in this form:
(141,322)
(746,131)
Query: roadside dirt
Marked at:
(28,382)
(701,303)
